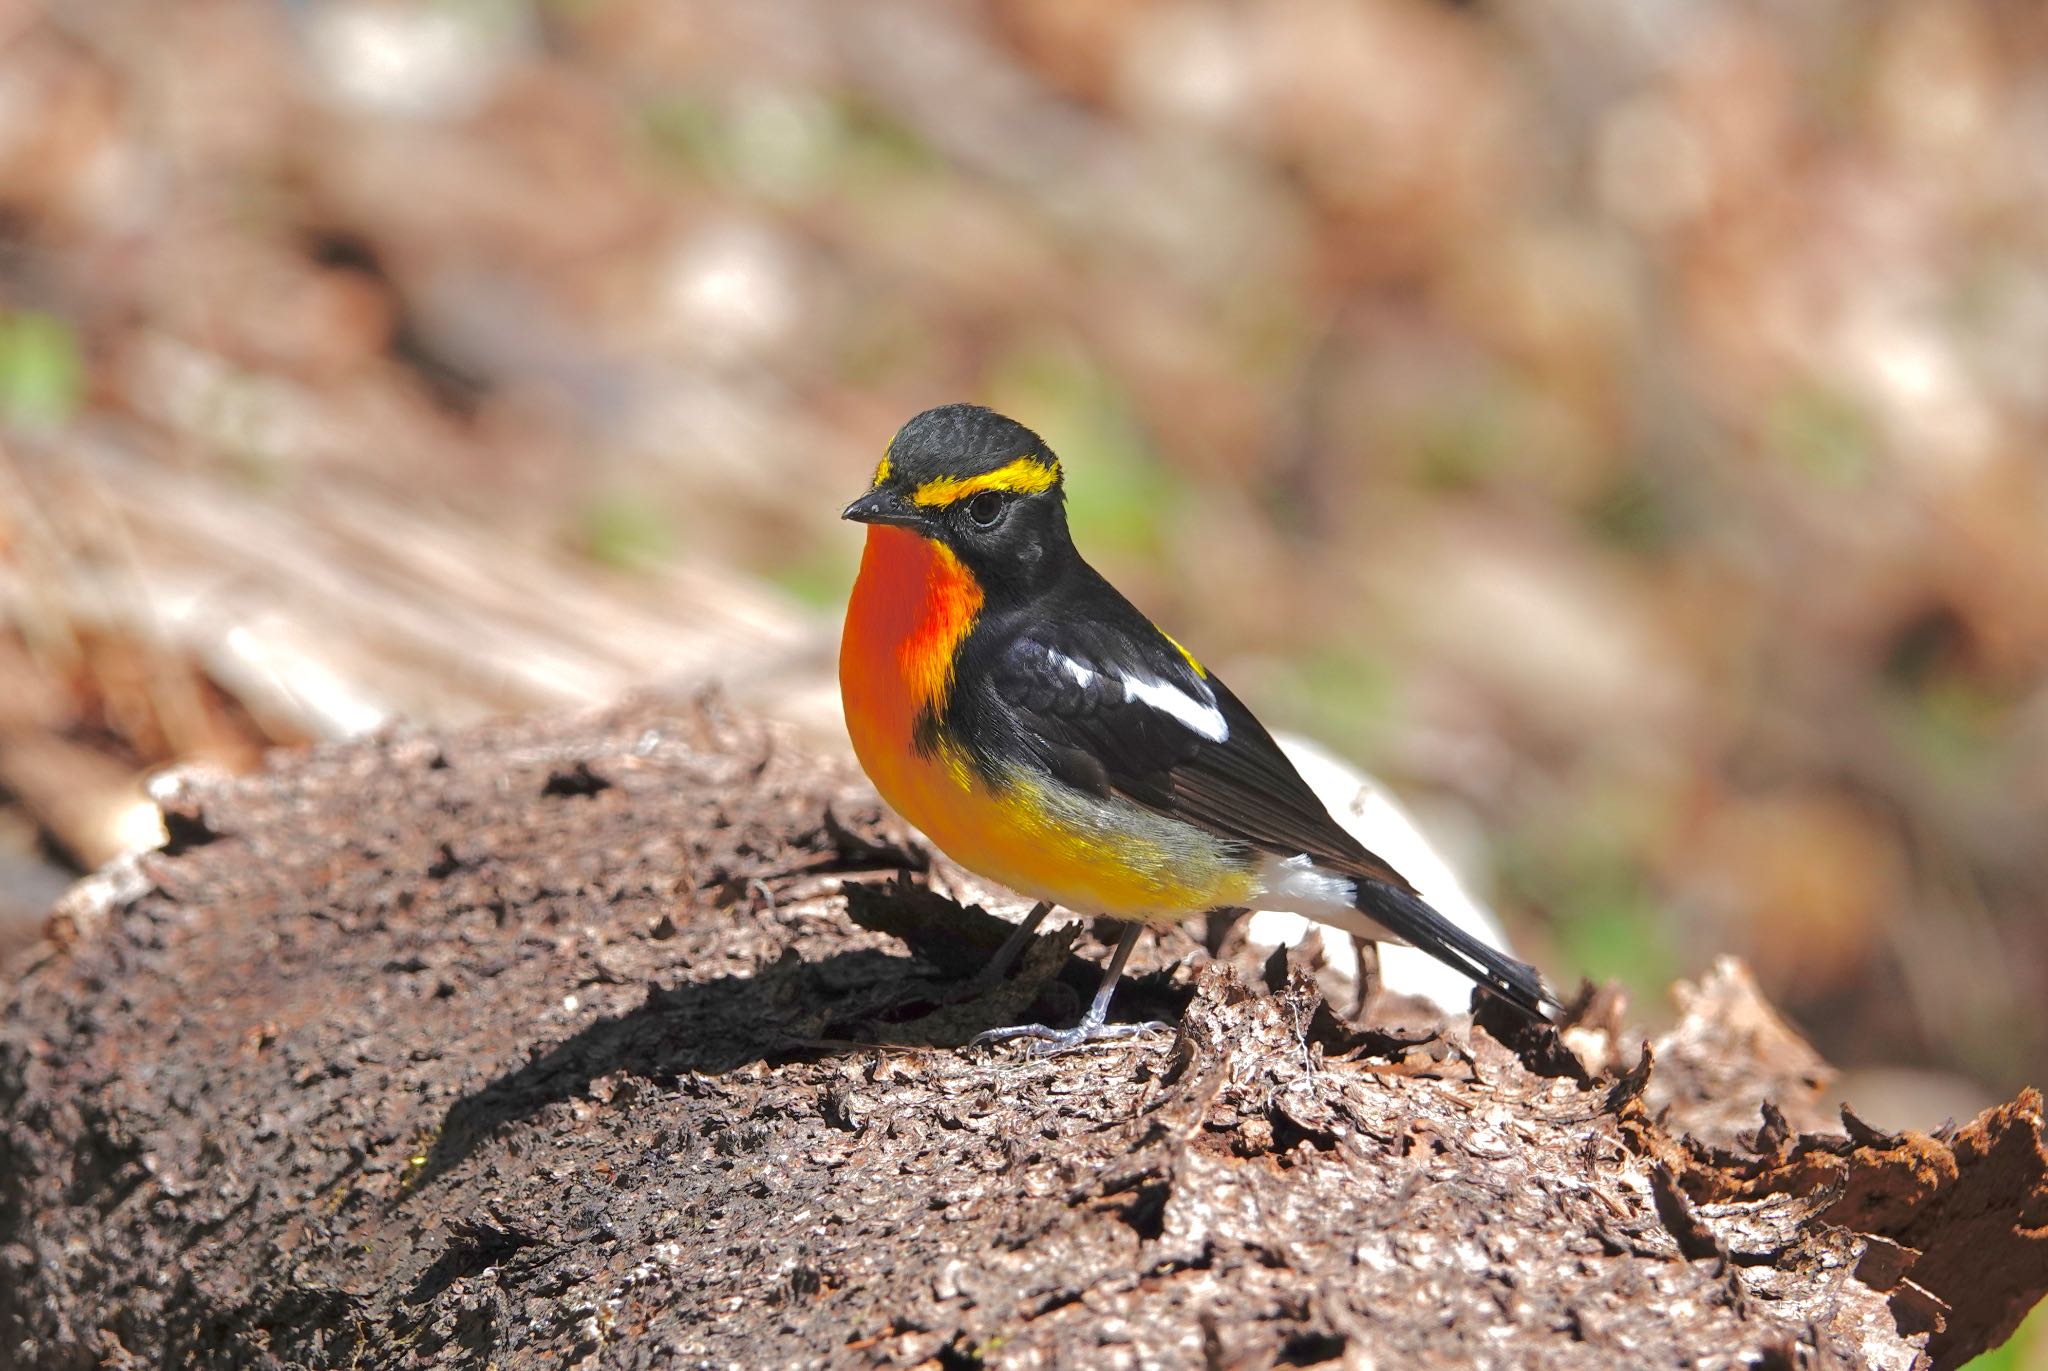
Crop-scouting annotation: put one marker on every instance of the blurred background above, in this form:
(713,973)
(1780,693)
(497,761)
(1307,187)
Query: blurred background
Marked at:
(1617,423)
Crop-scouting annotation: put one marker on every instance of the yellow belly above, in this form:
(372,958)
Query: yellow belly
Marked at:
(1088,856)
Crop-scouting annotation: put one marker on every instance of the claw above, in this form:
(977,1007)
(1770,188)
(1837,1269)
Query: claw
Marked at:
(1048,1042)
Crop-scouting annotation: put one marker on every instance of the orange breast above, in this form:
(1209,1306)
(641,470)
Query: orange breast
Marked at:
(912,604)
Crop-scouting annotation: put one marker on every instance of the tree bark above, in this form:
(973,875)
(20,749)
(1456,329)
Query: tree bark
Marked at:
(560,1040)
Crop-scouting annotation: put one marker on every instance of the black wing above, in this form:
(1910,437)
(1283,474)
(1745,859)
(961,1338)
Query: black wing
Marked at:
(1112,707)
(1108,704)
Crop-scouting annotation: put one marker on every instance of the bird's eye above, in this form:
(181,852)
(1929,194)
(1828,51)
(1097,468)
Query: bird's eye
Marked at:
(985,509)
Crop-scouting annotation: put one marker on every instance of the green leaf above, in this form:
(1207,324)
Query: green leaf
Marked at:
(625,532)
(42,372)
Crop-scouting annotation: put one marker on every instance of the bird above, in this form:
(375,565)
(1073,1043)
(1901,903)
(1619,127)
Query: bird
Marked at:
(1044,733)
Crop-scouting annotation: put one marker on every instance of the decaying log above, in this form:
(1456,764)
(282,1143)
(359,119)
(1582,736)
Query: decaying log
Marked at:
(619,1040)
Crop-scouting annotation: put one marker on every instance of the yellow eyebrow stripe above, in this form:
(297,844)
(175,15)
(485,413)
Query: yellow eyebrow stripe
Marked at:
(1025,476)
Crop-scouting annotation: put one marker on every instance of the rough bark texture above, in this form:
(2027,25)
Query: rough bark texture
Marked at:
(559,1041)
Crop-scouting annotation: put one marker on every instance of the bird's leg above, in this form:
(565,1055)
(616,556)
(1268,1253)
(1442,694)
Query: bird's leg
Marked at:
(990,976)
(1093,1027)
(1369,981)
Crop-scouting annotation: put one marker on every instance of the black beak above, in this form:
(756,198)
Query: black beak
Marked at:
(884,506)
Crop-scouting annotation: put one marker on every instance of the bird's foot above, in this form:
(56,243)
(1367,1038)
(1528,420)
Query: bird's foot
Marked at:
(1047,1041)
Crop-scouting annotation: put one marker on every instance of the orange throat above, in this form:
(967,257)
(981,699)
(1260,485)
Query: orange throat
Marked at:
(912,604)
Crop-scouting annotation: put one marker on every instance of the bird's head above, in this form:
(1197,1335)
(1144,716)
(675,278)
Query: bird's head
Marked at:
(984,487)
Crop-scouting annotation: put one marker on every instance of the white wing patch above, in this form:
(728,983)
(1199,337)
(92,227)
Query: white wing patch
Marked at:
(1201,715)
(1083,674)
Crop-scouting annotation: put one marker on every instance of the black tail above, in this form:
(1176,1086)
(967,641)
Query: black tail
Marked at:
(1410,917)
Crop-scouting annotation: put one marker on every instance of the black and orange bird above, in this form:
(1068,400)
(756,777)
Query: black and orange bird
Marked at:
(1044,733)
